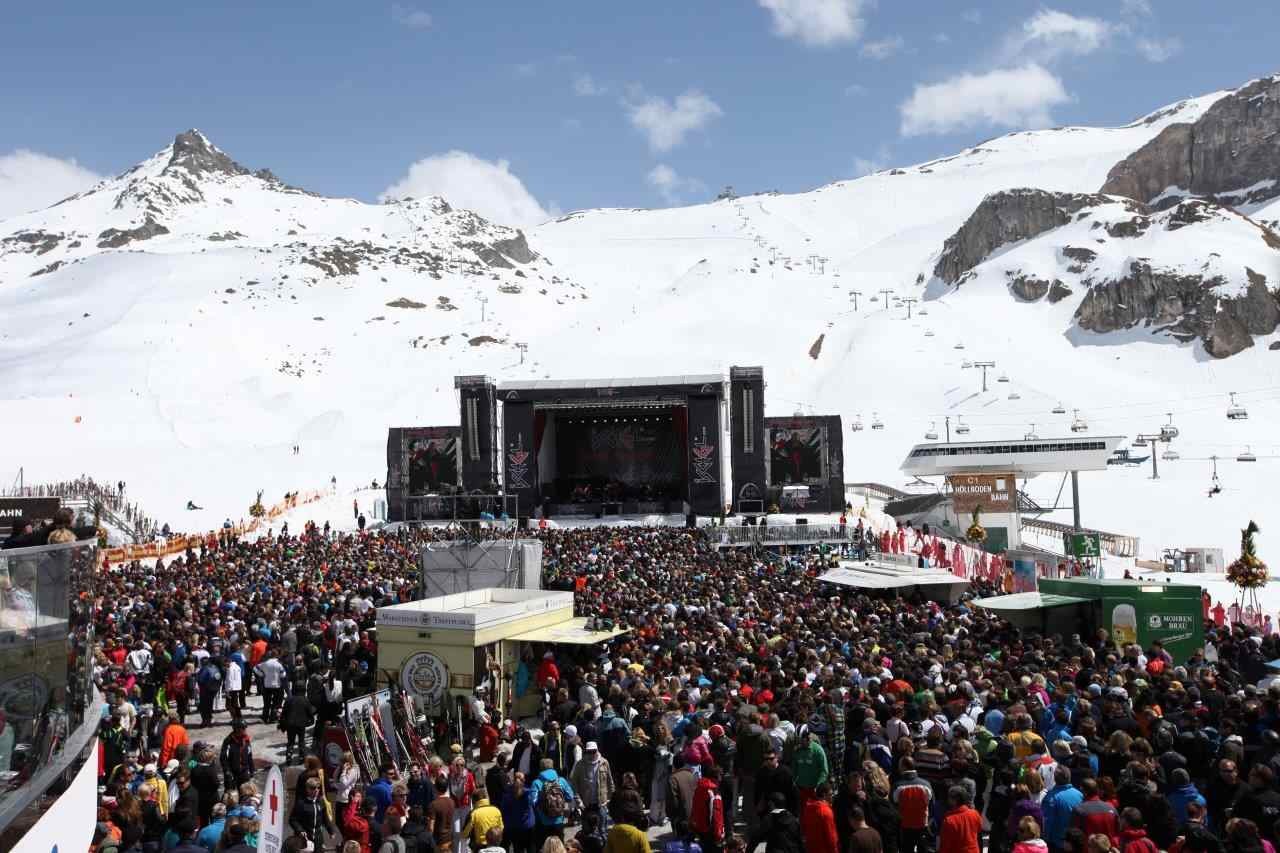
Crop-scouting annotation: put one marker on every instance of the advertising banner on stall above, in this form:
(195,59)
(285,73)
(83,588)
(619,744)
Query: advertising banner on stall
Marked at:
(993,492)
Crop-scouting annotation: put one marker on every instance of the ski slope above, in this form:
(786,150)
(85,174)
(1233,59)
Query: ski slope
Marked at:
(190,366)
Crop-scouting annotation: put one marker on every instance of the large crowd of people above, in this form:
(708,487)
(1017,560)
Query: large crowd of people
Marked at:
(749,706)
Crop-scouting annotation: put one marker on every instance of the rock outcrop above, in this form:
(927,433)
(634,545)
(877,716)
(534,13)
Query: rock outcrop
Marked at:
(114,238)
(1006,217)
(1186,306)
(1227,154)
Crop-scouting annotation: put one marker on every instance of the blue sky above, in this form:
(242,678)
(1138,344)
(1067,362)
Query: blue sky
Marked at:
(589,104)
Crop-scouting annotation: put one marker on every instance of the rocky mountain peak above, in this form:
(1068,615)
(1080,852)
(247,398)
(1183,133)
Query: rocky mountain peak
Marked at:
(193,152)
(1229,153)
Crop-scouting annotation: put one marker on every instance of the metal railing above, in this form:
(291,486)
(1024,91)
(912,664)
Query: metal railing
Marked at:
(879,490)
(1115,544)
(783,534)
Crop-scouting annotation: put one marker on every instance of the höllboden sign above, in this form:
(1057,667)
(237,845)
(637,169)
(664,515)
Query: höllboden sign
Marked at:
(993,492)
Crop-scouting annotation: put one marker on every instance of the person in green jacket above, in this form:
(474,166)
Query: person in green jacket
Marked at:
(809,767)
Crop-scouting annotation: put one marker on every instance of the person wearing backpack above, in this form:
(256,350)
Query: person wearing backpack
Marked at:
(552,797)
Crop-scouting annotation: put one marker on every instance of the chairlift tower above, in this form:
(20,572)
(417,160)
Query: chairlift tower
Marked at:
(854,294)
(887,292)
(984,366)
(909,301)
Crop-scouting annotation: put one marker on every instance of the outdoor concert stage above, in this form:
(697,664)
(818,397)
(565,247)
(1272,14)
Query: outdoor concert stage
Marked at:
(615,447)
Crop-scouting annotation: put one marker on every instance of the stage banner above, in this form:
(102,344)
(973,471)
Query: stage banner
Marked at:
(519,463)
(993,492)
(704,454)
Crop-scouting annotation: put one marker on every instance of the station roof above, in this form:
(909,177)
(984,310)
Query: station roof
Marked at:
(1019,456)
(1027,601)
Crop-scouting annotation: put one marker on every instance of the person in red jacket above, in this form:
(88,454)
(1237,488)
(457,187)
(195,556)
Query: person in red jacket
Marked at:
(961,825)
(355,820)
(547,670)
(707,815)
(1133,835)
(818,823)
(1095,816)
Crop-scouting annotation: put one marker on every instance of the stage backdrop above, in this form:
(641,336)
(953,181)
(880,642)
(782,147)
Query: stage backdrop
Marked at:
(633,450)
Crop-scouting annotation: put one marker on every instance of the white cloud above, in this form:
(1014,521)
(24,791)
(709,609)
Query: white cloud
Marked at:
(1050,33)
(666,123)
(671,185)
(472,183)
(30,181)
(816,22)
(972,16)
(413,18)
(1136,8)
(584,85)
(855,90)
(941,38)
(1158,49)
(526,69)
(1009,97)
(884,48)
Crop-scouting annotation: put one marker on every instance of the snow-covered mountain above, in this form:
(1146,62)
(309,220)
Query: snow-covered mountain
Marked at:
(184,324)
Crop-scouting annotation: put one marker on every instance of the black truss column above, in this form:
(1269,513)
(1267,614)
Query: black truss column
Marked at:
(748,450)
(478,401)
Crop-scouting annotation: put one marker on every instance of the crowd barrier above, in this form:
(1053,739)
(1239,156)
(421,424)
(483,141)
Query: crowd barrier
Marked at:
(180,543)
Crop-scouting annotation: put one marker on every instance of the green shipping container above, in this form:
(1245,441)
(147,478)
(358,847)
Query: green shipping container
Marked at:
(1141,611)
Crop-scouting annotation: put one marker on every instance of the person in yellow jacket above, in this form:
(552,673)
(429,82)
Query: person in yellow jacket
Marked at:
(483,818)
(160,786)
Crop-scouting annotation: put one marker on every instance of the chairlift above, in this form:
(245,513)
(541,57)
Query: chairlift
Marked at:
(1031,436)
(1004,377)
(876,423)
(1139,442)
(928,333)
(966,364)
(875,299)
(959,345)
(1169,432)
(857,423)
(1078,424)
(923,312)
(1014,395)
(962,428)
(1059,409)
(1170,456)
(1236,412)
(932,434)
(1247,456)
